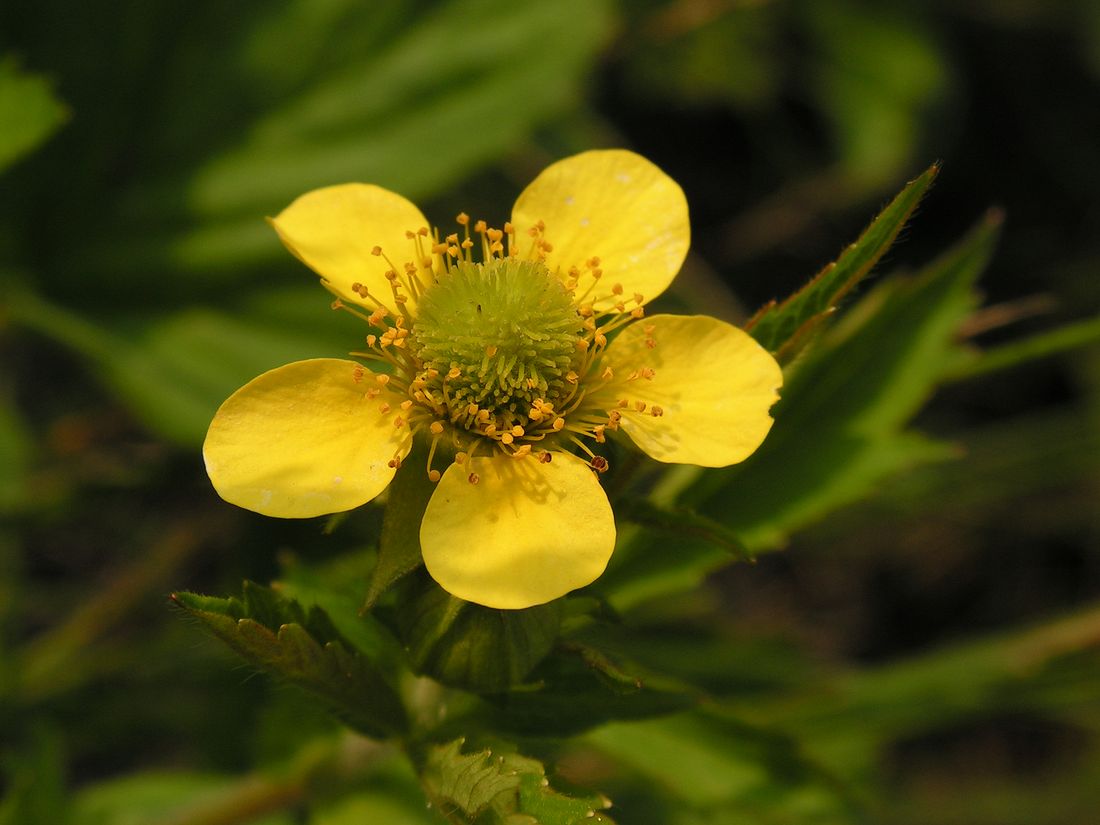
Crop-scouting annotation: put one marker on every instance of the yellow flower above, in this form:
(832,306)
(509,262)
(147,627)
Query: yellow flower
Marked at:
(513,364)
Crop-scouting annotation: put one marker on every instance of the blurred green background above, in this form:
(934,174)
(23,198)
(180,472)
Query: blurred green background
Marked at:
(927,653)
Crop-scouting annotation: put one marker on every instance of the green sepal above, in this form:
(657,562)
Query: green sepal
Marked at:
(399,544)
(502,788)
(785,328)
(303,647)
(469,646)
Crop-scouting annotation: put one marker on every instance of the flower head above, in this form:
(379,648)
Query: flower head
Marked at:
(513,352)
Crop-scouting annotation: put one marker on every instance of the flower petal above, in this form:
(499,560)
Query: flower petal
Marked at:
(333,231)
(524,534)
(614,205)
(304,440)
(714,383)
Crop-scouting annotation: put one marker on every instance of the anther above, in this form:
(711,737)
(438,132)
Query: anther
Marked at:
(463,219)
(599,464)
(436,428)
(434,476)
(473,478)
(545,457)
(376,251)
(384,408)
(460,458)
(559,423)
(382,379)
(656,411)
(617,289)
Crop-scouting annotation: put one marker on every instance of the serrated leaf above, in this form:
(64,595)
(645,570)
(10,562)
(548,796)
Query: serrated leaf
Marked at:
(503,788)
(304,648)
(839,426)
(839,423)
(29,112)
(785,328)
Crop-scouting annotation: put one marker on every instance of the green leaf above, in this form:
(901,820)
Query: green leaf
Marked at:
(502,788)
(786,327)
(304,647)
(34,782)
(1043,345)
(713,762)
(156,797)
(681,522)
(29,112)
(839,423)
(467,645)
(336,587)
(444,94)
(846,721)
(174,371)
(877,77)
(580,687)
(839,426)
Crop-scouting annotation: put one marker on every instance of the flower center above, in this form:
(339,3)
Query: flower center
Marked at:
(502,354)
(501,336)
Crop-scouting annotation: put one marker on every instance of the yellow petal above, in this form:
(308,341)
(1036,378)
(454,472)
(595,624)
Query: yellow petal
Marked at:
(524,534)
(304,440)
(614,205)
(334,231)
(712,381)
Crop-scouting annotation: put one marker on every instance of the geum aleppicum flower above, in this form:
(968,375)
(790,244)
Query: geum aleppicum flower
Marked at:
(514,364)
